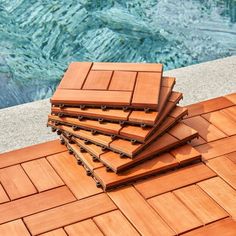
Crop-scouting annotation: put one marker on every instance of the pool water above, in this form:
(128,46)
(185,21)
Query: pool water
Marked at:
(38,39)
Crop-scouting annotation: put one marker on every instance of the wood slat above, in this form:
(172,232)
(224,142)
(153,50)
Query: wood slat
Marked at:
(56,232)
(14,228)
(123,81)
(86,227)
(143,217)
(231,97)
(230,112)
(42,174)
(34,203)
(16,182)
(164,205)
(214,188)
(114,223)
(98,80)
(75,75)
(69,213)
(31,153)
(3,195)
(174,180)
(127,66)
(75,178)
(200,204)
(232,156)
(147,83)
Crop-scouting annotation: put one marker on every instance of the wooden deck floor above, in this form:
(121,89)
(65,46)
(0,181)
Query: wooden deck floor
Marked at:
(44,191)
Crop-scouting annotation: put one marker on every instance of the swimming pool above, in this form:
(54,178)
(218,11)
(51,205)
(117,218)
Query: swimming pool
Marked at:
(39,38)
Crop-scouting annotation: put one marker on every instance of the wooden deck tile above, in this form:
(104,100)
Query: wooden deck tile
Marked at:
(231,97)
(56,232)
(224,168)
(222,122)
(205,129)
(174,180)
(139,213)
(35,203)
(232,157)
(69,214)
(217,148)
(16,182)
(200,204)
(30,153)
(123,81)
(114,223)
(42,174)
(225,227)
(222,193)
(75,179)
(75,75)
(127,66)
(3,195)
(174,212)
(208,106)
(86,227)
(14,228)
(230,112)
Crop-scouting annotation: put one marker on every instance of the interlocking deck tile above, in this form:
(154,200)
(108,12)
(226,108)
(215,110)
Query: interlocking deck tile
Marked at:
(205,129)
(56,232)
(73,175)
(217,148)
(35,203)
(86,227)
(139,212)
(171,209)
(200,204)
(222,121)
(14,228)
(174,180)
(42,174)
(222,193)
(224,168)
(208,106)
(230,112)
(231,97)
(69,213)
(16,182)
(114,223)
(232,156)
(3,195)
(226,227)
(30,153)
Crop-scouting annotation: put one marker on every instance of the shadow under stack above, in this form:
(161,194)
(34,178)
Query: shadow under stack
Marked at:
(121,121)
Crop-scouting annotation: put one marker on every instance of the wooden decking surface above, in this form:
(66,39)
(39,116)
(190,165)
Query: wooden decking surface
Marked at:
(44,191)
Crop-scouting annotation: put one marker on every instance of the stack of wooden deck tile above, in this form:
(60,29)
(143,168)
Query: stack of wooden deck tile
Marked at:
(117,118)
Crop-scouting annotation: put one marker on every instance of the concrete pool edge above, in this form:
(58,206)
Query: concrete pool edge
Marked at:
(25,124)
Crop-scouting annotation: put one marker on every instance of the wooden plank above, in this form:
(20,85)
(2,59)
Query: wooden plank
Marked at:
(214,188)
(69,214)
(231,97)
(143,217)
(174,180)
(168,81)
(208,106)
(205,129)
(185,153)
(56,232)
(230,112)
(127,66)
(164,205)
(123,81)
(42,174)
(224,168)
(31,153)
(91,97)
(16,182)
(217,148)
(232,157)
(86,227)
(75,178)
(75,75)
(3,195)
(14,228)
(222,122)
(200,204)
(147,83)
(225,227)
(98,80)
(114,223)
(35,203)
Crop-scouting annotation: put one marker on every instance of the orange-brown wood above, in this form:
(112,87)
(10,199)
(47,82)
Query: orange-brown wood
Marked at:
(56,232)
(14,228)
(3,195)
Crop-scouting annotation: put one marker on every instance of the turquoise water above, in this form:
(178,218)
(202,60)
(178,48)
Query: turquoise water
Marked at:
(39,38)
